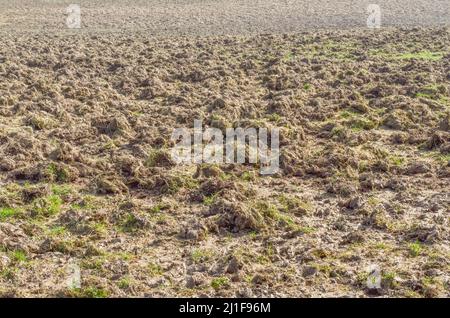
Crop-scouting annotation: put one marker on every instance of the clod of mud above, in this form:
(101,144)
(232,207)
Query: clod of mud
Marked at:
(445,123)
(109,185)
(397,120)
(7,164)
(13,238)
(207,171)
(112,126)
(234,265)
(66,153)
(235,217)
(423,234)
(31,193)
(418,168)
(195,232)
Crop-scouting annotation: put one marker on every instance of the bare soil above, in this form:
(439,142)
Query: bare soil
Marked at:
(87,180)
(218,17)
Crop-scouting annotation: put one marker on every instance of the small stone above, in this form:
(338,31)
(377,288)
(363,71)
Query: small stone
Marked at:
(418,167)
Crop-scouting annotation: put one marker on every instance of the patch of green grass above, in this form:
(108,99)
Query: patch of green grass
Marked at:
(111,144)
(11,188)
(411,294)
(158,158)
(57,173)
(288,56)
(19,256)
(57,231)
(287,220)
(176,183)
(306,229)
(443,158)
(216,117)
(347,114)
(76,206)
(430,283)
(160,218)
(248,176)
(276,118)
(381,246)
(124,283)
(269,250)
(270,212)
(47,206)
(398,208)
(339,131)
(39,123)
(227,176)
(61,190)
(388,279)
(6,213)
(423,95)
(154,270)
(99,228)
(415,249)
(219,282)
(306,86)
(444,101)
(90,202)
(95,292)
(158,208)
(209,200)
(96,263)
(331,49)
(9,273)
(422,55)
(201,255)
(248,278)
(372,201)
(358,124)
(439,157)
(65,246)
(363,165)
(294,205)
(324,268)
(396,160)
(130,223)
(262,259)
(433,91)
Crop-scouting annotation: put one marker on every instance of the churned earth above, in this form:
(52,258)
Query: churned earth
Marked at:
(88,185)
(219,17)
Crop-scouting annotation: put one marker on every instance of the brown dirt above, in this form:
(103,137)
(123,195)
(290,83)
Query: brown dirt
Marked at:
(85,125)
(218,17)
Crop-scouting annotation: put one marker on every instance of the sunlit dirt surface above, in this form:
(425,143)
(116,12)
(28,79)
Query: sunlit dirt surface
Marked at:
(87,180)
